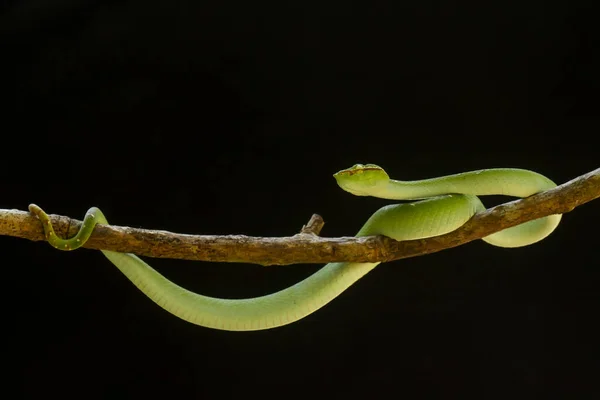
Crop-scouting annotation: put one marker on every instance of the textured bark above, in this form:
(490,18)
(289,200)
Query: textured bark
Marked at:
(306,246)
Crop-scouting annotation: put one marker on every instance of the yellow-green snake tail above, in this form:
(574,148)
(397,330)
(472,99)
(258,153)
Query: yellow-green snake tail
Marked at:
(445,204)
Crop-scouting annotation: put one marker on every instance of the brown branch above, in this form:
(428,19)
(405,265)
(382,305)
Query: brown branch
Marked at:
(307,247)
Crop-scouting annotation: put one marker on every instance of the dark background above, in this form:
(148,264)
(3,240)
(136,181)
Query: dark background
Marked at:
(231,117)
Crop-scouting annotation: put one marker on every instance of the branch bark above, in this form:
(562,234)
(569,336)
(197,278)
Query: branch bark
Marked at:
(307,246)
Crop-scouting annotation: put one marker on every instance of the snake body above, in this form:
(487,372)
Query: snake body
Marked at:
(445,204)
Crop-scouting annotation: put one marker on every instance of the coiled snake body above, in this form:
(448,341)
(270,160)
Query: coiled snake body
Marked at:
(445,203)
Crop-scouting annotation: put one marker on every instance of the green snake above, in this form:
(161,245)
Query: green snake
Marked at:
(443,205)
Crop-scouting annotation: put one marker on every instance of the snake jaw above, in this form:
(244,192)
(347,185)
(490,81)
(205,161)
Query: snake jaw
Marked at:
(362,179)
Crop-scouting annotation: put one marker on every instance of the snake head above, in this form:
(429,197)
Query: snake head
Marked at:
(362,179)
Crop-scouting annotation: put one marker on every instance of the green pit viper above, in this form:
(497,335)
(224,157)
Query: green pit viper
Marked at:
(444,204)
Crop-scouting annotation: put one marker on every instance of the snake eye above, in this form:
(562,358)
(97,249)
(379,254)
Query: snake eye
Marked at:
(372,167)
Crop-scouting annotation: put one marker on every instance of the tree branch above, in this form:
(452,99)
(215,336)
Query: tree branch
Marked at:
(306,246)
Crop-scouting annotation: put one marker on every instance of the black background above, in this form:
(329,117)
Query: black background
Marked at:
(231,117)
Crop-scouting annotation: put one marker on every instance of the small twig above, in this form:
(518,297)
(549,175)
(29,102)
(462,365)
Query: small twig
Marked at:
(314,225)
(307,247)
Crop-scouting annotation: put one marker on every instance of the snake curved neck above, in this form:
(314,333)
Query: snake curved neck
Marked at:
(523,183)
